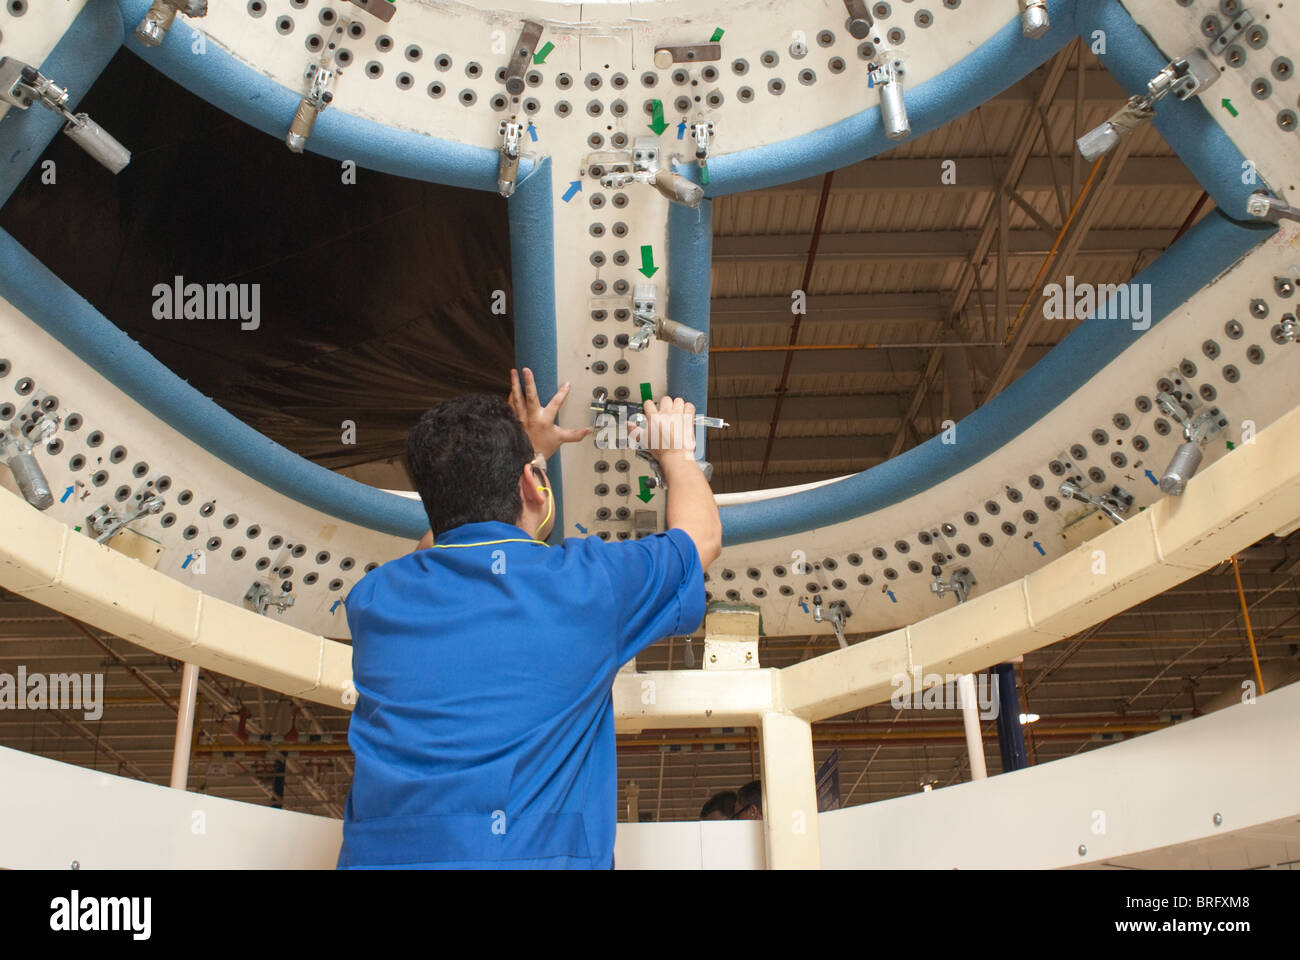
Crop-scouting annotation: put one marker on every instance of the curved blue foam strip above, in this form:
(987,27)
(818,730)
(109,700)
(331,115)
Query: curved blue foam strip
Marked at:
(30,286)
(259,101)
(1201,144)
(1198,257)
(532,271)
(690,265)
(79,57)
(989,69)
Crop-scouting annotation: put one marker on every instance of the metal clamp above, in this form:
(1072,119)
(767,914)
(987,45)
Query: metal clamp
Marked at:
(21,85)
(1264,207)
(105,524)
(837,615)
(512,132)
(259,596)
(646,168)
(152,30)
(1114,504)
(886,73)
(320,76)
(959,583)
(1184,77)
(18,452)
(1034,19)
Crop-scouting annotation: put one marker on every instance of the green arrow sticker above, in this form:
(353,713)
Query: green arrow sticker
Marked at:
(646,392)
(717,35)
(1227,105)
(541,55)
(658,124)
(645,495)
(648,261)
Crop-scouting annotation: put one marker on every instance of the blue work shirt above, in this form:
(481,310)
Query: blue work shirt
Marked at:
(484,723)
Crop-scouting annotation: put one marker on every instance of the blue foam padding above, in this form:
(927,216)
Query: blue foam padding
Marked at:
(690,265)
(1187,126)
(532,270)
(988,70)
(259,101)
(55,307)
(75,62)
(1198,257)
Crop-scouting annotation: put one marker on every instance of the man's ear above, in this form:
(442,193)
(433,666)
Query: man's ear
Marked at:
(529,481)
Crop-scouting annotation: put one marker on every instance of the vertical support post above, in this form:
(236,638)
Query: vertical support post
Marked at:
(790,825)
(970,714)
(184,726)
(1011,736)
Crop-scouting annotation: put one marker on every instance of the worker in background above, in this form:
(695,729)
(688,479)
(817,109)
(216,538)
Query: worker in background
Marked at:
(749,802)
(720,806)
(484,723)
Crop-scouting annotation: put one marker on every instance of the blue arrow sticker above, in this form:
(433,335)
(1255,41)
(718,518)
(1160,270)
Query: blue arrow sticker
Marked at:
(66,493)
(892,598)
(681,130)
(804,605)
(581,528)
(1039,547)
(187,561)
(334,606)
(1152,477)
(532,132)
(574,187)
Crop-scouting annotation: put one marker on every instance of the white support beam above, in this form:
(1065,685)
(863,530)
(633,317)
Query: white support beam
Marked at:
(790,826)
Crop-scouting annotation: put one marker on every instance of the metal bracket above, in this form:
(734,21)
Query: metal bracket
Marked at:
(959,583)
(837,615)
(105,524)
(667,55)
(522,57)
(860,20)
(382,9)
(1231,32)
(259,596)
(1114,504)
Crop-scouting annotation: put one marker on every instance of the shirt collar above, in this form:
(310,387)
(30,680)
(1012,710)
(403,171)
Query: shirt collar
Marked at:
(481,533)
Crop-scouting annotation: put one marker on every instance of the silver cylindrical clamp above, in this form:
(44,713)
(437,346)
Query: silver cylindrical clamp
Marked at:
(92,138)
(31,481)
(677,188)
(304,120)
(1034,20)
(682,336)
(153,28)
(893,108)
(1186,460)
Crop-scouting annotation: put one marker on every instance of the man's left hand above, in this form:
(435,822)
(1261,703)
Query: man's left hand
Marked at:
(539,422)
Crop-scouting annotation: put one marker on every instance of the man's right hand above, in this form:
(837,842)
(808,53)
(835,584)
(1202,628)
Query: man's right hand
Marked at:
(669,434)
(669,437)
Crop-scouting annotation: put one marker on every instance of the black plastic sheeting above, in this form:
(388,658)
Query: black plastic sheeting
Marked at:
(375,298)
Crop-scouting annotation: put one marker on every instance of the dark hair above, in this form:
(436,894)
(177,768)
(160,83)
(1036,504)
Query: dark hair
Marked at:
(465,456)
(723,803)
(750,795)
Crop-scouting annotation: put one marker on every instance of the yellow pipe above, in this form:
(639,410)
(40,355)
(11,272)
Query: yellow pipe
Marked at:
(1250,634)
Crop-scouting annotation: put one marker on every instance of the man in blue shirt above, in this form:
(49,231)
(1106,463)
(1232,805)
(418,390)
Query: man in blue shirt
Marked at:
(484,724)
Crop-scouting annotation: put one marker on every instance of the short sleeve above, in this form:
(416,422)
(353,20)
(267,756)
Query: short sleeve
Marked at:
(658,587)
